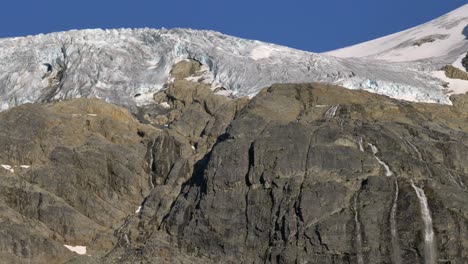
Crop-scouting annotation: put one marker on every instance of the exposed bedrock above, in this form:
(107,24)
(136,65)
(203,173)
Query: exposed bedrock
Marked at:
(301,173)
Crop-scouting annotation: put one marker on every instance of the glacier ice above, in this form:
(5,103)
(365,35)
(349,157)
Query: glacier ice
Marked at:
(127,66)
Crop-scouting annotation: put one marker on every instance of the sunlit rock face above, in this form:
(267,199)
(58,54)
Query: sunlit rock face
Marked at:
(298,172)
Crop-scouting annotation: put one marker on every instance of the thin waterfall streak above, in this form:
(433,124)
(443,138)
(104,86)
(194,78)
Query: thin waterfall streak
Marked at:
(394,227)
(430,248)
(331,112)
(388,172)
(150,162)
(420,157)
(375,150)
(415,149)
(453,180)
(459,183)
(360,258)
(361,147)
(462,184)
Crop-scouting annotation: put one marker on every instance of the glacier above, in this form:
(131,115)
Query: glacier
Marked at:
(127,66)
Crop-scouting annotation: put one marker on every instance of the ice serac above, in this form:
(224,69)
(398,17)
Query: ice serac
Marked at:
(430,247)
(127,66)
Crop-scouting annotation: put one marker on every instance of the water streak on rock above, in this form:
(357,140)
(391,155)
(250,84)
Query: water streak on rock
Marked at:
(332,111)
(150,162)
(388,172)
(394,229)
(430,249)
(360,259)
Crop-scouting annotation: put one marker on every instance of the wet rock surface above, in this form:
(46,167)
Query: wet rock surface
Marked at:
(301,173)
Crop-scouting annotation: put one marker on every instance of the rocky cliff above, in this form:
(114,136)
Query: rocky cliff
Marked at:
(300,173)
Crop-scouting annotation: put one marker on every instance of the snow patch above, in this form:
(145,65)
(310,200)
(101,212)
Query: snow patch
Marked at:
(144,98)
(455,86)
(138,210)
(80,250)
(458,62)
(193,78)
(224,93)
(8,167)
(165,105)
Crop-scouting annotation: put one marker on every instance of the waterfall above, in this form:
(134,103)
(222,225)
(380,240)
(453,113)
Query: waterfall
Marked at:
(388,172)
(151,162)
(393,228)
(415,149)
(430,254)
(360,259)
(332,111)
(458,183)
(361,148)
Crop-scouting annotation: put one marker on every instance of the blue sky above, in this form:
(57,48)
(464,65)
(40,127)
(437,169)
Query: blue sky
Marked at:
(308,24)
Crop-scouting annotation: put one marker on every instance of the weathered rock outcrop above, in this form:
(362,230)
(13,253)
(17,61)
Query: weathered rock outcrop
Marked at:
(455,73)
(74,172)
(301,173)
(307,164)
(465,62)
(70,173)
(319,174)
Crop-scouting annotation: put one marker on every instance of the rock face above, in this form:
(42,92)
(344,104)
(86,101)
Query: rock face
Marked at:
(301,173)
(455,73)
(77,169)
(465,62)
(303,168)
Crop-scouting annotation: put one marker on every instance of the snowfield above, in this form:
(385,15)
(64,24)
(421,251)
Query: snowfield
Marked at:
(443,41)
(127,66)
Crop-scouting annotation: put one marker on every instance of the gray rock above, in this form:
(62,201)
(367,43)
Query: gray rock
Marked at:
(297,174)
(279,186)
